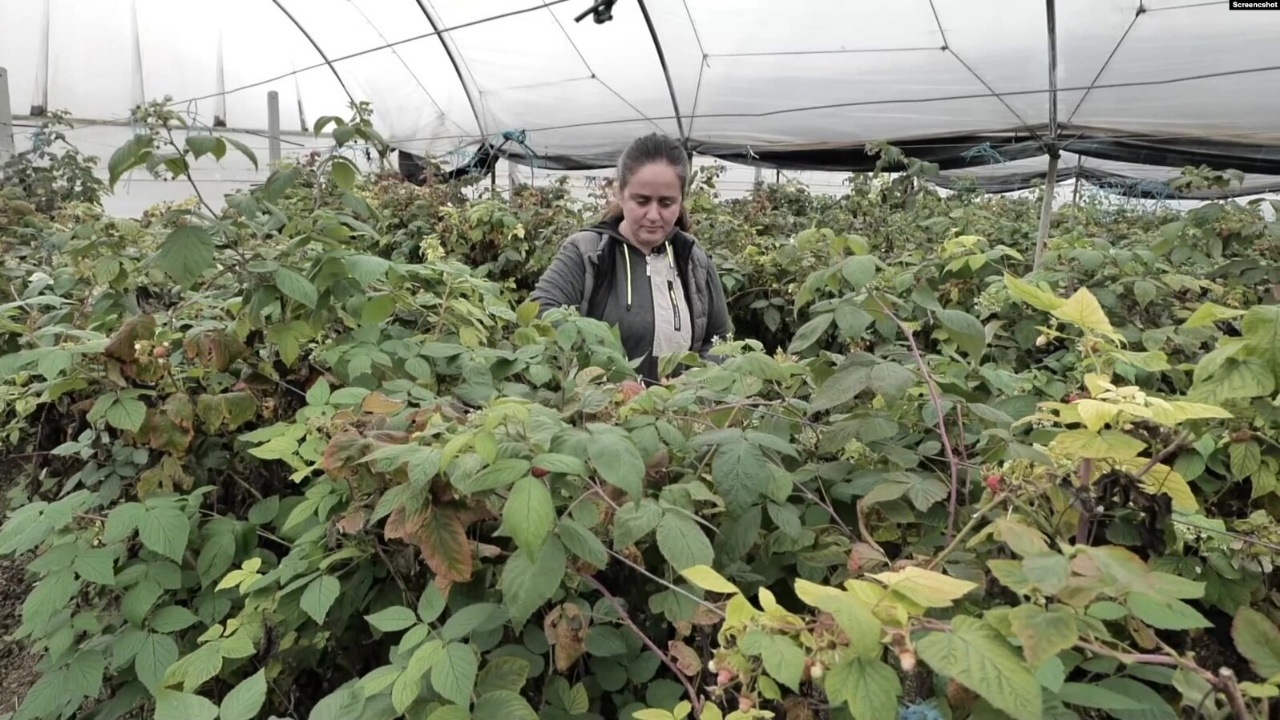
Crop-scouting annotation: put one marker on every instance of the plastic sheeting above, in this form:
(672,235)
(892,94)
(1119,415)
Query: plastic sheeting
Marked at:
(804,84)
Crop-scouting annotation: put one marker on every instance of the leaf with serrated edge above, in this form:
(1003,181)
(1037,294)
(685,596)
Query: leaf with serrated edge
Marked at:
(529,514)
(246,699)
(453,674)
(975,654)
(925,587)
(869,687)
(708,579)
(1258,640)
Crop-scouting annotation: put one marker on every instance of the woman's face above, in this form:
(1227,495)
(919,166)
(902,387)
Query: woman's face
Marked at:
(651,204)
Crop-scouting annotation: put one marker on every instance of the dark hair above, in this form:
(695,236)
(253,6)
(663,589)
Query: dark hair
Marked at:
(646,150)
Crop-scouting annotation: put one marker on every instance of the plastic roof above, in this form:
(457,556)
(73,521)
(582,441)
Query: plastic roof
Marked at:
(801,84)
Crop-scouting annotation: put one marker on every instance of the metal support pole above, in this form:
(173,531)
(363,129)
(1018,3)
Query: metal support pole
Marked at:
(273,127)
(6,118)
(759,176)
(513,177)
(1046,210)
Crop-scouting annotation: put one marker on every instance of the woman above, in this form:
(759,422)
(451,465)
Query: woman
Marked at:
(638,268)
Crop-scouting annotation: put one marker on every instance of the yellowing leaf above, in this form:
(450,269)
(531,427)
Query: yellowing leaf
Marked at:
(1164,479)
(1083,310)
(1096,414)
(1210,313)
(1032,295)
(925,587)
(853,616)
(1089,444)
(708,579)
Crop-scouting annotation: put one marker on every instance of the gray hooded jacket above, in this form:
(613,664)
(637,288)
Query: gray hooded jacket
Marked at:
(591,273)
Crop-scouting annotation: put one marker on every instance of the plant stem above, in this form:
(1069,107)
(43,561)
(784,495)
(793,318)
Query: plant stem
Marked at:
(1086,481)
(664,583)
(1229,687)
(936,396)
(653,648)
(964,532)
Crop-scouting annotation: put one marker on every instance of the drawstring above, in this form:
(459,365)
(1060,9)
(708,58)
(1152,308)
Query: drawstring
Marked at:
(670,263)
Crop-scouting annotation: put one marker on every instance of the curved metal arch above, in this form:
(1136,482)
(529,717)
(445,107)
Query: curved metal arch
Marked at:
(319,51)
(666,71)
(452,53)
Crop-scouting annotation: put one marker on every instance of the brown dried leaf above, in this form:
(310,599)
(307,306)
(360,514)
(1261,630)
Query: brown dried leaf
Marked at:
(400,527)
(164,477)
(686,658)
(135,329)
(215,349)
(343,452)
(566,629)
(380,404)
(797,707)
(352,522)
(442,538)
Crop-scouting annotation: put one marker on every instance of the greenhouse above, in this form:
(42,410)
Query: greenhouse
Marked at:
(639,359)
(1117,93)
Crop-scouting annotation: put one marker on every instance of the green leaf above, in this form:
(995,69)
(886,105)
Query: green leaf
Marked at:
(891,379)
(164,530)
(529,514)
(809,333)
(741,473)
(605,641)
(1153,706)
(319,597)
(558,463)
(840,388)
(503,673)
(172,705)
(173,619)
(297,287)
(1246,459)
(582,542)
(635,520)
(1044,634)
(97,565)
(155,655)
(1083,310)
(783,658)
(201,145)
(1165,613)
(683,543)
(966,331)
(618,461)
(1258,640)
(186,254)
(431,603)
(1095,696)
(319,392)
(453,674)
(500,474)
(393,619)
(528,584)
(343,173)
(126,414)
(244,150)
(131,154)
(504,705)
(869,687)
(975,654)
(246,699)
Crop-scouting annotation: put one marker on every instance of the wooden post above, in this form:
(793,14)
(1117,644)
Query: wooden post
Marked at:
(6,118)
